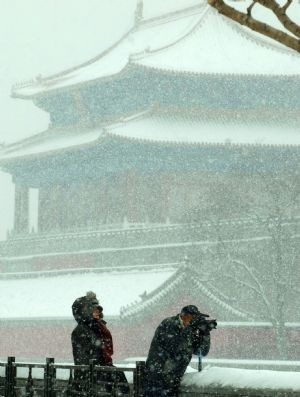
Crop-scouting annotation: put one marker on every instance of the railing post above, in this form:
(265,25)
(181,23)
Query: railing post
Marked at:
(114,379)
(10,377)
(138,379)
(92,374)
(70,383)
(49,376)
(29,384)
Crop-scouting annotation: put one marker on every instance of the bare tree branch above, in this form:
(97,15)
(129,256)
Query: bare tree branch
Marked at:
(286,6)
(260,27)
(249,9)
(242,283)
(249,270)
(280,13)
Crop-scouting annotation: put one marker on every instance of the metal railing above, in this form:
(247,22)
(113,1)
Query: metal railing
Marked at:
(77,380)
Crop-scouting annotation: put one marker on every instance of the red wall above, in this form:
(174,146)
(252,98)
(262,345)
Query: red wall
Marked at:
(53,340)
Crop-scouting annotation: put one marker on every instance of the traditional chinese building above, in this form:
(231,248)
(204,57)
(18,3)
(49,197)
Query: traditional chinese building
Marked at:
(172,143)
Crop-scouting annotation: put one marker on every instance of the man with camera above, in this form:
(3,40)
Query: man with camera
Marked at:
(175,340)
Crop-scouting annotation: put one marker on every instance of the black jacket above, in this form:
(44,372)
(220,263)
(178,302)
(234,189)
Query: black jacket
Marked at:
(86,338)
(86,343)
(170,352)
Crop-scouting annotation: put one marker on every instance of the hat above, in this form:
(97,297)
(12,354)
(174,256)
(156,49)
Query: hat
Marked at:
(193,310)
(82,307)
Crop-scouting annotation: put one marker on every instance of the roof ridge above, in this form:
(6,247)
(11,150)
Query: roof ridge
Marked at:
(143,54)
(182,13)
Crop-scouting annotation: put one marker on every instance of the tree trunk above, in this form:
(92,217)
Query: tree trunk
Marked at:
(281,340)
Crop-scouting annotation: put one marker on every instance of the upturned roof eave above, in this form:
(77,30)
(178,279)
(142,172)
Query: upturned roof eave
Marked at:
(6,162)
(73,87)
(65,72)
(141,25)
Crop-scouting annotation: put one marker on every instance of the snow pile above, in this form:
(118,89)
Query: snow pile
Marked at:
(236,378)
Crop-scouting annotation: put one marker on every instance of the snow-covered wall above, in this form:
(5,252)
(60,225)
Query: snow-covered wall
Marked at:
(240,382)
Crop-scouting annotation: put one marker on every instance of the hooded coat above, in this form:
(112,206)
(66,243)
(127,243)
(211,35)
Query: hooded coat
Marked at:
(86,337)
(170,352)
(91,340)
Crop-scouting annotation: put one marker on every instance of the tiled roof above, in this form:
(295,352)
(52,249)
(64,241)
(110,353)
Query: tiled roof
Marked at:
(173,286)
(193,40)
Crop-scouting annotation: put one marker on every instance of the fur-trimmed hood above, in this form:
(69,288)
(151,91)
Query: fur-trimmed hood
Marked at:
(82,307)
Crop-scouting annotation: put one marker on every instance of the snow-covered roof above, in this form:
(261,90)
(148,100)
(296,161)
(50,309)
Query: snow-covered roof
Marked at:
(214,128)
(217,128)
(218,45)
(51,140)
(173,286)
(193,40)
(151,35)
(48,296)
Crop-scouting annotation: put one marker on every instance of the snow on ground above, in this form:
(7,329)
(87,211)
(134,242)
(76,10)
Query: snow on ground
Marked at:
(241,379)
(45,297)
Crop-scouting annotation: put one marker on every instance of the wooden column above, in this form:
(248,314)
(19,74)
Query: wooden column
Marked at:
(21,224)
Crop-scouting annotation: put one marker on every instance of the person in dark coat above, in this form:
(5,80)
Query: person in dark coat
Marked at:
(92,340)
(172,347)
(86,337)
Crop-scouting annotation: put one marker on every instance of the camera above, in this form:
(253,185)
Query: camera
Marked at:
(200,322)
